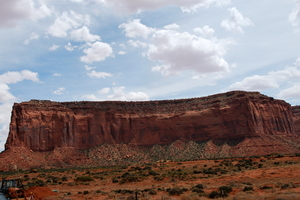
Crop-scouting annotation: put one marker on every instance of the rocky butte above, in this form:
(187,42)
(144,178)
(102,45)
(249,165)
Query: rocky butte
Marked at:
(63,134)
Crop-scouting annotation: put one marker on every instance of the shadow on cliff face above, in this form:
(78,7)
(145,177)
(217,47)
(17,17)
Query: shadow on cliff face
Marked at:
(231,142)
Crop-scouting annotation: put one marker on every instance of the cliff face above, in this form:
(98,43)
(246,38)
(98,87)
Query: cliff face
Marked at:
(230,117)
(296,116)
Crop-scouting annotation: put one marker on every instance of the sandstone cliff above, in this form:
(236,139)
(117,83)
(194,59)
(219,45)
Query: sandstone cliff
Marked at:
(296,116)
(231,124)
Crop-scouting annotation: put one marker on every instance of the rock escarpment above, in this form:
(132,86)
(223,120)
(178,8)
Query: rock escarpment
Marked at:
(296,116)
(230,124)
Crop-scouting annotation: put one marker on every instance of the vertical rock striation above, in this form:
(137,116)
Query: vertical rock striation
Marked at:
(296,116)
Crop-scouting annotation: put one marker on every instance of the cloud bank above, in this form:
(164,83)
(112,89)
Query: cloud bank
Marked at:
(7,99)
(273,79)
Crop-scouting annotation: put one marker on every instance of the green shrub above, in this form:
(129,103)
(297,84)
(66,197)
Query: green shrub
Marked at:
(200,186)
(52,179)
(152,192)
(223,192)
(98,177)
(85,192)
(158,178)
(176,191)
(265,187)
(197,172)
(72,184)
(114,180)
(153,173)
(123,191)
(198,189)
(36,182)
(128,178)
(64,178)
(126,174)
(26,178)
(225,189)
(42,175)
(246,188)
(147,168)
(84,179)
(214,194)
(287,185)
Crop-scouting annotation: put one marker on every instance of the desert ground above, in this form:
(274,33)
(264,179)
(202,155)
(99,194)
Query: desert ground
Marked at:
(262,177)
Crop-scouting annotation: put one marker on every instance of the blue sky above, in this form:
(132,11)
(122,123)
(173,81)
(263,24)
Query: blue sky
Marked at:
(138,50)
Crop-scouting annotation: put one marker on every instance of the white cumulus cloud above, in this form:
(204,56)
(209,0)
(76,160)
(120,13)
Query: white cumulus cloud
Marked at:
(5,95)
(117,94)
(297,62)
(39,13)
(104,90)
(122,52)
(13,11)
(78,1)
(273,79)
(83,35)
(120,95)
(254,83)
(292,92)
(288,73)
(236,21)
(135,28)
(294,17)
(98,51)
(172,26)
(91,97)
(67,21)
(95,74)
(33,36)
(53,47)
(205,32)
(70,47)
(186,52)
(59,91)
(137,43)
(138,6)
(88,68)
(14,77)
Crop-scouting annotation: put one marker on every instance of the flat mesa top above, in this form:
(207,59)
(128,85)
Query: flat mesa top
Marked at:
(221,96)
(156,106)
